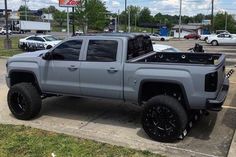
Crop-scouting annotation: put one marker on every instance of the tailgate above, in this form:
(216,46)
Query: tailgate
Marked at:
(221,72)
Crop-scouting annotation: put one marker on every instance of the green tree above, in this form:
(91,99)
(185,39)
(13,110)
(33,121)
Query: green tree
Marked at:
(59,17)
(51,9)
(22,10)
(145,16)
(93,13)
(220,19)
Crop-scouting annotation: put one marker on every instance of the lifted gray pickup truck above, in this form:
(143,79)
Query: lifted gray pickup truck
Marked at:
(123,67)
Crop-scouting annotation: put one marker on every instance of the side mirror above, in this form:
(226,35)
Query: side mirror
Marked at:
(47,56)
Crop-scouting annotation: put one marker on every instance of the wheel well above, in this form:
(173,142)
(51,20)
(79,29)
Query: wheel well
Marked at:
(49,46)
(214,40)
(19,77)
(151,89)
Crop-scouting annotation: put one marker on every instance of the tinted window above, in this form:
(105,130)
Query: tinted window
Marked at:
(68,50)
(102,50)
(30,38)
(221,36)
(139,46)
(38,39)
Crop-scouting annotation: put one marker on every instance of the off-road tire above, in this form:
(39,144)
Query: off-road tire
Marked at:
(164,118)
(24,101)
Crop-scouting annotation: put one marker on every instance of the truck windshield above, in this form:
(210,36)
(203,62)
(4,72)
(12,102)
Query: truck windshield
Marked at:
(138,46)
(50,38)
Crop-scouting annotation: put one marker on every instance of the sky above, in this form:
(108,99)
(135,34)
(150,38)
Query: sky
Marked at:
(189,7)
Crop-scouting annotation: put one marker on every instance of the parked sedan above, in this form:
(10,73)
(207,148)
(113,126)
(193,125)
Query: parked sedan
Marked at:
(157,37)
(222,39)
(3,31)
(36,42)
(192,36)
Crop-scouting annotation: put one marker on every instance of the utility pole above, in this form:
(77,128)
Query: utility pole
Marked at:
(226,20)
(212,16)
(68,23)
(129,28)
(73,21)
(25,8)
(125,15)
(118,20)
(180,17)
(86,18)
(7,41)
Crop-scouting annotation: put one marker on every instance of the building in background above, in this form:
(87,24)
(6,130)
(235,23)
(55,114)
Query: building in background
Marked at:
(190,28)
(47,17)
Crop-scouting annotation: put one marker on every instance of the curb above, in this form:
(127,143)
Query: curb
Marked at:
(232,149)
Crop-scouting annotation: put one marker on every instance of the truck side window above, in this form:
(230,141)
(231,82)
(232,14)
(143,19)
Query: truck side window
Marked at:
(68,51)
(102,50)
(38,39)
(31,38)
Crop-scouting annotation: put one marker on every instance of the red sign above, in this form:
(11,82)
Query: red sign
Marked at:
(69,3)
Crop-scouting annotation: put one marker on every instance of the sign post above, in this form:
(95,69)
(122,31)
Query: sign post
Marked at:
(69,3)
(68,23)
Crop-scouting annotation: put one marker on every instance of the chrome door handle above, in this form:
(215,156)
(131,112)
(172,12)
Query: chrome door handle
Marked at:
(72,68)
(112,70)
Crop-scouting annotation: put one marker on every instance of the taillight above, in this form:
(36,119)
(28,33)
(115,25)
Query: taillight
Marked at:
(211,80)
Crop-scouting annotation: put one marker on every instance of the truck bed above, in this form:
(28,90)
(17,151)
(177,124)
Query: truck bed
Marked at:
(188,58)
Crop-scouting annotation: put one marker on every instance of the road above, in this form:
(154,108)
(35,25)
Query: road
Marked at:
(119,124)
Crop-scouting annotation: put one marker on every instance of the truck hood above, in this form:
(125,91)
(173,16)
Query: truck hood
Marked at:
(30,54)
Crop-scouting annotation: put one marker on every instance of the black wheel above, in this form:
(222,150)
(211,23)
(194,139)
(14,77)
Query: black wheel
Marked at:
(24,101)
(164,119)
(49,46)
(214,43)
(162,39)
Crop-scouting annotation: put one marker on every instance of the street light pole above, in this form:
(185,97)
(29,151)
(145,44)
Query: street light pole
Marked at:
(126,16)
(180,16)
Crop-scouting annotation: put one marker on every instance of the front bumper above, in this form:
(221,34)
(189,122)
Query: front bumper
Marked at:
(216,104)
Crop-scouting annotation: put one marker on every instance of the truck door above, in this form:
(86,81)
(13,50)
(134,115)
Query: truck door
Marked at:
(101,70)
(61,74)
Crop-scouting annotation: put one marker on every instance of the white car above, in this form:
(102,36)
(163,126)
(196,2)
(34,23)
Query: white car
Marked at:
(40,41)
(164,48)
(157,37)
(222,39)
(204,37)
(79,32)
(4,31)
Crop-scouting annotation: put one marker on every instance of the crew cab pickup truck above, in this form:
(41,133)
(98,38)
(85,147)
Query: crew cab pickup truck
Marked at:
(122,67)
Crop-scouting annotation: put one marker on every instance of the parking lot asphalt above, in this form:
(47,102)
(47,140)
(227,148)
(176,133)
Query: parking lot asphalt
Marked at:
(119,124)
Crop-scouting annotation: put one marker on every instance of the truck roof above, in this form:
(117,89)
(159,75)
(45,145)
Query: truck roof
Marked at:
(124,35)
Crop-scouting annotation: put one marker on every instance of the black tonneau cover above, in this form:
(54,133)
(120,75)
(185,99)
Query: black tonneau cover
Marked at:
(171,57)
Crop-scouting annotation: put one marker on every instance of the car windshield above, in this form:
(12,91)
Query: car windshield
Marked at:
(50,38)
